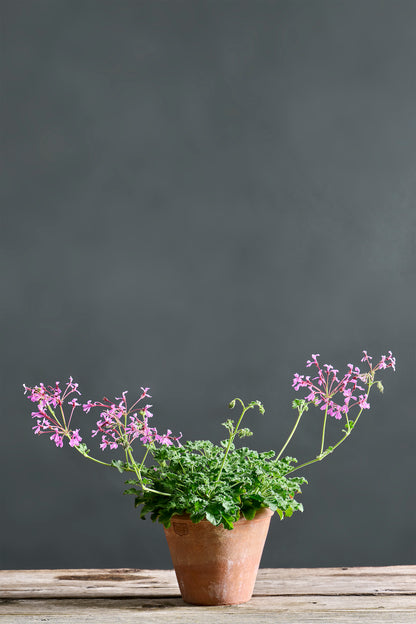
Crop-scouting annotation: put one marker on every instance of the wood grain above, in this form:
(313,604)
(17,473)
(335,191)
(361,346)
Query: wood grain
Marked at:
(282,596)
(276,609)
(130,582)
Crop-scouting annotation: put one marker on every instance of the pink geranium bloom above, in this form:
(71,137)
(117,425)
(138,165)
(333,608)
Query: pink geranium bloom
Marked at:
(76,438)
(87,406)
(145,411)
(363,402)
(144,393)
(58,439)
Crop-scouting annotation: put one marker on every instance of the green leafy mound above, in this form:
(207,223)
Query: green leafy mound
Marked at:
(215,483)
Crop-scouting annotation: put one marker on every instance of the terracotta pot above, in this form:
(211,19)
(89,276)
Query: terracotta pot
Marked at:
(216,566)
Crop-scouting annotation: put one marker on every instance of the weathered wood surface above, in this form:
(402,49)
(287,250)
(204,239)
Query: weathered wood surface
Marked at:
(282,596)
(130,582)
(260,610)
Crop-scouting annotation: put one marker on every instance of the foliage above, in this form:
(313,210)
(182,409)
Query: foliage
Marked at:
(188,476)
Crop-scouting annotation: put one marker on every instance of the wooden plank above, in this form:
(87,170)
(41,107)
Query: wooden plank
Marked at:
(129,582)
(264,610)
(336,581)
(106,582)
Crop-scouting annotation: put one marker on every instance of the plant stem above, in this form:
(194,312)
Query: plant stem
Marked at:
(62,413)
(322,455)
(97,461)
(230,441)
(125,425)
(144,458)
(300,412)
(137,470)
(323,431)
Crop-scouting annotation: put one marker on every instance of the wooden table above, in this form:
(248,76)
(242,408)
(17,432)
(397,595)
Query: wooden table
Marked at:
(281,596)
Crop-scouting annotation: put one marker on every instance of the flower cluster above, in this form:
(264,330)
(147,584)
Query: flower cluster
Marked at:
(51,399)
(326,385)
(119,425)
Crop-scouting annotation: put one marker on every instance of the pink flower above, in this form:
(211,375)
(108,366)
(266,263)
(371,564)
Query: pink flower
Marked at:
(87,406)
(39,427)
(314,360)
(123,400)
(73,387)
(57,439)
(363,402)
(144,393)
(298,381)
(177,438)
(145,412)
(348,395)
(164,439)
(37,394)
(147,434)
(391,360)
(325,404)
(366,358)
(337,411)
(387,361)
(76,438)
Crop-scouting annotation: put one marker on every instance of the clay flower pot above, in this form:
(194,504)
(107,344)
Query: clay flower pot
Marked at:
(213,565)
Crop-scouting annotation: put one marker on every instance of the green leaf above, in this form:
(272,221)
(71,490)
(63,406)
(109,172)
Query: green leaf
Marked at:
(215,519)
(227,522)
(257,404)
(244,433)
(249,512)
(134,491)
(300,404)
(197,517)
(229,424)
(118,464)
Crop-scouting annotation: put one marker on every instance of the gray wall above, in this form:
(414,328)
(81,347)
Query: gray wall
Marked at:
(197,196)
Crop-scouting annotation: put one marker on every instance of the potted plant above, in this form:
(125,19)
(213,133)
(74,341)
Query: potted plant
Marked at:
(215,501)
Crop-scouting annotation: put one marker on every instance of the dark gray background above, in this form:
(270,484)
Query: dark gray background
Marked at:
(197,196)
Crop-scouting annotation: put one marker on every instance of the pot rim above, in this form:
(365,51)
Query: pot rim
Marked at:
(260,515)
